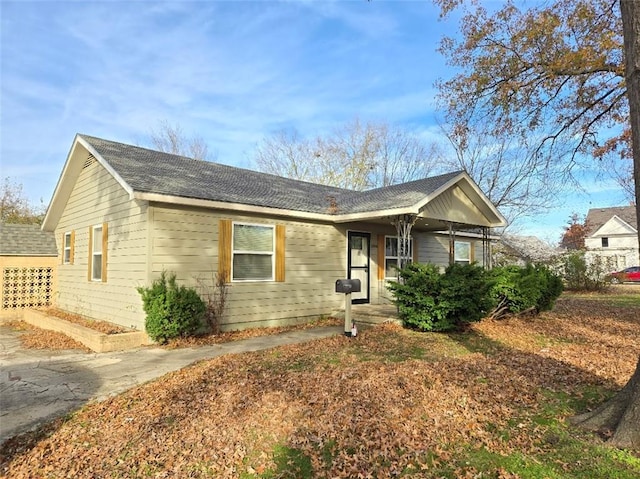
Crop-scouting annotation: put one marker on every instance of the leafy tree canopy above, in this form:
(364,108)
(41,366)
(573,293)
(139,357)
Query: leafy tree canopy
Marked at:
(575,233)
(552,71)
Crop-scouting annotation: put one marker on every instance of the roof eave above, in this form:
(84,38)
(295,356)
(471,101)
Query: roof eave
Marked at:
(222,205)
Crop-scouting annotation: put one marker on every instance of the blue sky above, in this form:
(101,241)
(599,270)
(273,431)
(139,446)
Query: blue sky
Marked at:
(230,72)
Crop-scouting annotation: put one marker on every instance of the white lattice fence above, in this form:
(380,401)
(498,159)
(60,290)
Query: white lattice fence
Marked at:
(26,287)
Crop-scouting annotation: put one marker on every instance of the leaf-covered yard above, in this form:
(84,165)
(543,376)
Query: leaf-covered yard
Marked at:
(488,403)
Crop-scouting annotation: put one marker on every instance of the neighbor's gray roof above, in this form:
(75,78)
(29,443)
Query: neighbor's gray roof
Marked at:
(596,217)
(149,171)
(530,248)
(26,240)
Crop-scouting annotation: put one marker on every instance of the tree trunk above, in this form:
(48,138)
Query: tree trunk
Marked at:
(620,416)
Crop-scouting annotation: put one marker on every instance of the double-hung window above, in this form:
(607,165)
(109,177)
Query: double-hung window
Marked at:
(96,254)
(67,252)
(462,252)
(391,255)
(253,252)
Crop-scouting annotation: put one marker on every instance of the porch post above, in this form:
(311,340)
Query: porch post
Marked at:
(486,249)
(452,244)
(403,224)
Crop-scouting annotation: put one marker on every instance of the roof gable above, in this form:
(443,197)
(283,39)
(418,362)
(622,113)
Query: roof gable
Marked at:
(597,217)
(614,227)
(155,176)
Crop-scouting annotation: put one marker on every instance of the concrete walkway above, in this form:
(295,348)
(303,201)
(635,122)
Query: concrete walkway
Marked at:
(37,386)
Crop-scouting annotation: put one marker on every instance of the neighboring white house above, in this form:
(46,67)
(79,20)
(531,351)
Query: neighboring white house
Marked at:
(613,236)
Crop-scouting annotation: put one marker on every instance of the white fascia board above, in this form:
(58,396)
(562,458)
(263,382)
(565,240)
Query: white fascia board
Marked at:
(106,166)
(501,220)
(372,215)
(600,232)
(624,223)
(62,189)
(244,208)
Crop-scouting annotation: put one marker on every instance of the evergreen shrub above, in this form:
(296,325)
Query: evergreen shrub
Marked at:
(172,310)
(430,301)
(581,275)
(515,289)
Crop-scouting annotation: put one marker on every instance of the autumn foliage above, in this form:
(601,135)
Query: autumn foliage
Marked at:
(389,402)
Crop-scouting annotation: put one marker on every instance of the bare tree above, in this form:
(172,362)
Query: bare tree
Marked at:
(171,139)
(515,175)
(355,155)
(15,207)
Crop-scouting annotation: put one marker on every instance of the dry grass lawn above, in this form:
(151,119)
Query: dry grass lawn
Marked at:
(487,403)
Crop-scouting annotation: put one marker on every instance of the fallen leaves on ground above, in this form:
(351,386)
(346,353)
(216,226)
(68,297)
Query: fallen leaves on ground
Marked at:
(380,405)
(230,336)
(104,327)
(36,338)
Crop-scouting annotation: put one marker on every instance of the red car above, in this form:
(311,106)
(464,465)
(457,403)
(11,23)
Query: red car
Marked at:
(628,274)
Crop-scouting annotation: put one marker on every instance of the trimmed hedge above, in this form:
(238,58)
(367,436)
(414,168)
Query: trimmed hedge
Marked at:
(172,310)
(432,301)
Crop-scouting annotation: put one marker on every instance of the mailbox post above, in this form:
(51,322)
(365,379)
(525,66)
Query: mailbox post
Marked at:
(347,286)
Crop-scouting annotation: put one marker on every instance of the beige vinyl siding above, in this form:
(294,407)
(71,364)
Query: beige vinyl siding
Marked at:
(186,241)
(454,205)
(433,249)
(96,199)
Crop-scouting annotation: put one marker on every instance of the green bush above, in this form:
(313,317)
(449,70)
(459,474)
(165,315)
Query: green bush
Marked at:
(172,310)
(579,275)
(552,289)
(515,289)
(430,301)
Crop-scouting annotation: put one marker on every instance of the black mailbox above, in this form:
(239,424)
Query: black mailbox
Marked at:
(347,286)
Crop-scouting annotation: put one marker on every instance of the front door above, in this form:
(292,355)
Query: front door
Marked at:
(358,267)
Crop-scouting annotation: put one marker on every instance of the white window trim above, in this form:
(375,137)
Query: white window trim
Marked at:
(66,250)
(94,253)
(272,253)
(456,259)
(386,276)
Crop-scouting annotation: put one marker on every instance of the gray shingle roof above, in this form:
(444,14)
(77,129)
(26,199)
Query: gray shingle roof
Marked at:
(26,240)
(596,217)
(150,171)
(530,248)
